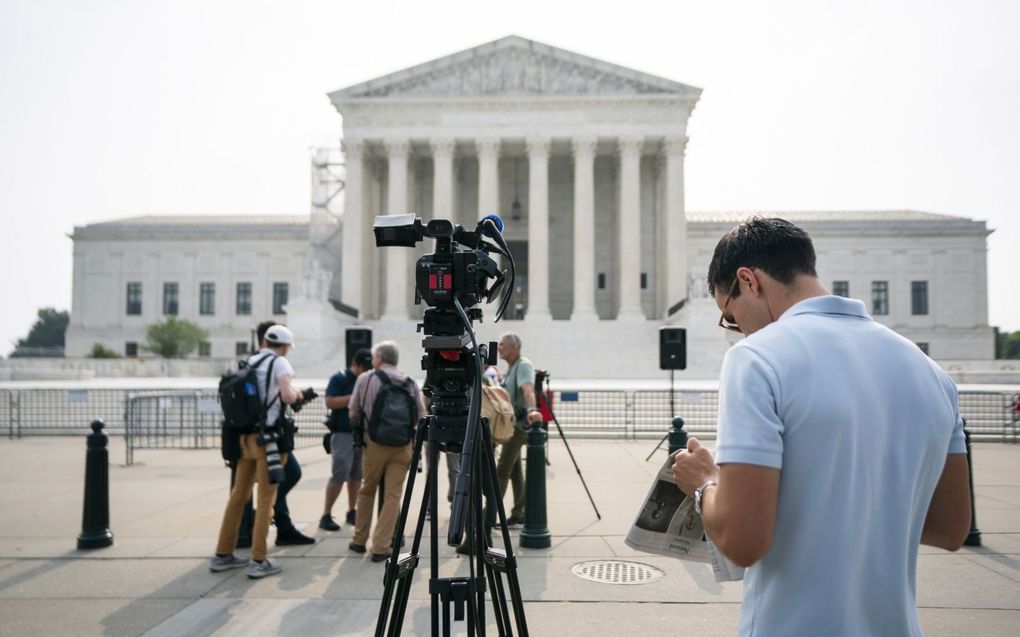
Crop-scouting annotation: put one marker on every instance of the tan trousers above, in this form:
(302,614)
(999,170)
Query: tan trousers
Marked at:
(508,469)
(380,461)
(251,469)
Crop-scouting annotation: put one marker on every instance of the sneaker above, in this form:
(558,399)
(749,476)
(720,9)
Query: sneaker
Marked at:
(350,517)
(515,523)
(218,564)
(357,548)
(327,523)
(292,537)
(258,570)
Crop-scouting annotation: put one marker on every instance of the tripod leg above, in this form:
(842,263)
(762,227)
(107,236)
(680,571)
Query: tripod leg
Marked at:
(509,562)
(657,447)
(577,468)
(390,577)
(404,588)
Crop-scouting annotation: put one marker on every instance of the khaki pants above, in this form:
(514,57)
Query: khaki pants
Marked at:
(251,469)
(380,461)
(508,469)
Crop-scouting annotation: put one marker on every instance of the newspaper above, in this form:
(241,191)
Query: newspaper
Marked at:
(667,525)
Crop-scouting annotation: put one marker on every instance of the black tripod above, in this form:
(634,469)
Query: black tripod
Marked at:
(672,410)
(543,405)
(450,429)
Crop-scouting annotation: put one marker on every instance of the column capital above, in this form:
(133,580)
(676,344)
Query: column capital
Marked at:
(584,145)
(353,146)
(397,148)
(675,145)
(443,145)
(538,146)
(488,146)
(630,144)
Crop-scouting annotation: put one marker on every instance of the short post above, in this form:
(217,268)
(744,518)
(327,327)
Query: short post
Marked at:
(677,437)
(95,521)
(535,534)
(974,537)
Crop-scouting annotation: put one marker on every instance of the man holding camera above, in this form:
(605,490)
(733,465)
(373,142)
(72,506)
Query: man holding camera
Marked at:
(381,460)
(840,448)
(274,372)
(345,454)
(519,382)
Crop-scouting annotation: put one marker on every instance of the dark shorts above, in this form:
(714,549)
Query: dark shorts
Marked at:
(346,459)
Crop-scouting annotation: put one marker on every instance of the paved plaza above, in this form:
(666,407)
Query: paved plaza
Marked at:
(165,512)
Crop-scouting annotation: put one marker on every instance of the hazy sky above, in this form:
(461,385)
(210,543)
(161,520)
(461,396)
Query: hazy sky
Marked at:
(118,108)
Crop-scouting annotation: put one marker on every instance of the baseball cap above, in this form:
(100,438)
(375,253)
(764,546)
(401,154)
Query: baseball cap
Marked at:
(279,335)
(363,358)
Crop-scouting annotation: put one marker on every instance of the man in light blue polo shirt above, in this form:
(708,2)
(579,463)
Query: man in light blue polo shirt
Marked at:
(840,449)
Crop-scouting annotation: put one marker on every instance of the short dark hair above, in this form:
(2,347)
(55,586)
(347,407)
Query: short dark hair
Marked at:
(262,328)
(776,246)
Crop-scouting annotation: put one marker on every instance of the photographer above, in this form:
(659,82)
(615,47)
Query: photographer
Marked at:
(382,459)
(519,382)
(275,372)
(346,455)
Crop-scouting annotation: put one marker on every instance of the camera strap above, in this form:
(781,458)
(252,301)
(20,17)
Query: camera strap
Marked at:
(269,380)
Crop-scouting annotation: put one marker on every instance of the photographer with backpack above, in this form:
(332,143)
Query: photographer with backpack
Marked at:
(263,448)
(388,405)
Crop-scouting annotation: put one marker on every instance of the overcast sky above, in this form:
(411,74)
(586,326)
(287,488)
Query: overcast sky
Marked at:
(118,108)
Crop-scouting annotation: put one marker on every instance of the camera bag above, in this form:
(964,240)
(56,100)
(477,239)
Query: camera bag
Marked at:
(497,409)
(393,413)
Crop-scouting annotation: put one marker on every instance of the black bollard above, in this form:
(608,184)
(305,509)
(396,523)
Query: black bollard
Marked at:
(95,519)
(974,537)
(677,437)
(535,534)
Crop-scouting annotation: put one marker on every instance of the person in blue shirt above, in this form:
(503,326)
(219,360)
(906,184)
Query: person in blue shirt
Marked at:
(840,448)
(346,457)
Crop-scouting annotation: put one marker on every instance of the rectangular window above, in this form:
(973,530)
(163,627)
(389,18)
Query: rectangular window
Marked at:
(644,280)
(280,291)
(205,349)
(841,288)
(207,299)
(919,298)
(879,297)
(170,299)
(243,299)
(131,349)
(602,280)
(241,348)
(134,299)
(924,348)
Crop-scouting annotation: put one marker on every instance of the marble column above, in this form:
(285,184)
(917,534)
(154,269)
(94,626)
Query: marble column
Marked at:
(442,180)
(674,259)
(584,229)
(629,230)
(538,229)
(397,258)
(488,177)
(351,273)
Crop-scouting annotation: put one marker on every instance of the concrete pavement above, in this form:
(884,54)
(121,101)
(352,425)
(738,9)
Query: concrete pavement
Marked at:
(165,513)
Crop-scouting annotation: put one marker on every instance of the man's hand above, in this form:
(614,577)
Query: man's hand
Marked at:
(534,417)
(694,467)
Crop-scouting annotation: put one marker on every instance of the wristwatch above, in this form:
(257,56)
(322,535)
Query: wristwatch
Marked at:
(699,493)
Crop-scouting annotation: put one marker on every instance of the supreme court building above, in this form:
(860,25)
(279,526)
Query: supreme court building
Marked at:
(584,161)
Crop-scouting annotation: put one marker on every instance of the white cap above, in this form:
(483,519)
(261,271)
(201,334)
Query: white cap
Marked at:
(279,335)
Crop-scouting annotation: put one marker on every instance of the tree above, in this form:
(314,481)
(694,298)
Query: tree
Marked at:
(46,338)
(101,351)
(174,338)
(1008,345)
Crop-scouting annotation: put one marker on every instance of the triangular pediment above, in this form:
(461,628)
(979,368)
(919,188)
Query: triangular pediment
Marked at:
(514,66)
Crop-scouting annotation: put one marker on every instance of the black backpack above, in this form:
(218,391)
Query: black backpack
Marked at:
(394,412)
(239,396)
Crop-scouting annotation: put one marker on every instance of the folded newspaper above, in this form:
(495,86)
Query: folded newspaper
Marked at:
(668,525)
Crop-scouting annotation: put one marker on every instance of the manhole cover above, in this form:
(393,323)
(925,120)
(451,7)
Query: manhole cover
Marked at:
(617,572)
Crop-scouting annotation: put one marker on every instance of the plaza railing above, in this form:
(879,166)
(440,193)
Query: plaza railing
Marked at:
(190,418)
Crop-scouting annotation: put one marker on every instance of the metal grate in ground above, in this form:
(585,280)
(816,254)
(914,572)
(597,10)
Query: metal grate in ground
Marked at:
(617,572)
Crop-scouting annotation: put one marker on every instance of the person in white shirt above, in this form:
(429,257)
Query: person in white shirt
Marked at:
(840,448)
